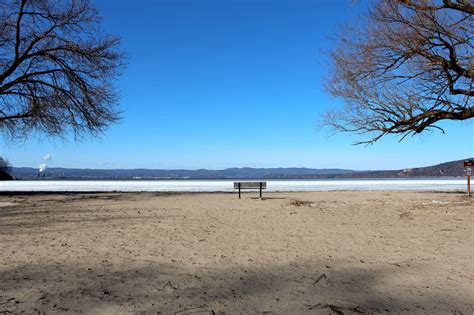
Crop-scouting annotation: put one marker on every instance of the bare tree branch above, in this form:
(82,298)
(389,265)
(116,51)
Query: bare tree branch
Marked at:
(409,67)
(57,68)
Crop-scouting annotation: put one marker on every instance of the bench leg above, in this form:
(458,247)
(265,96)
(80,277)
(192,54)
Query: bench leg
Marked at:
(239,192)
(260,190)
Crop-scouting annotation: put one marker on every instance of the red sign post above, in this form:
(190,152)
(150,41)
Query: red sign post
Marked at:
(467,165)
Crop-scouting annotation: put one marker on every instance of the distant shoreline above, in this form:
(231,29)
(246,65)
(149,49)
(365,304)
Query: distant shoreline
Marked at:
(453,169)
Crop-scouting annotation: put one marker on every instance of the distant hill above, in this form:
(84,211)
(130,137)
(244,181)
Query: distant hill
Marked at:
(449,169)
(234,173)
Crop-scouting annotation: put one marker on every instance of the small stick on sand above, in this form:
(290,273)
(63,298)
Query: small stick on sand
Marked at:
(321,277)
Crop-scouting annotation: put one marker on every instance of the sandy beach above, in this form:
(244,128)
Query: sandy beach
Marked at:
(211,253)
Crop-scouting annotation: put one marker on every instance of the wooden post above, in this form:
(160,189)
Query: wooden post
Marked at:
(260,190)
(469,185)
(239,191)
(468,164)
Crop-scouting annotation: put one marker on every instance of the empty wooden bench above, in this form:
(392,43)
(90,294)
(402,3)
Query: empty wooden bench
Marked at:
(250,185)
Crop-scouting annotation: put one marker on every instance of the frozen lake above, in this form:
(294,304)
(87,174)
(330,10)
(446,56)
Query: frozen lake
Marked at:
(227,185)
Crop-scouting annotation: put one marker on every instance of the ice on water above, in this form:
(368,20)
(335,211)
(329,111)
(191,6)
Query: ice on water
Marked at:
(227,185)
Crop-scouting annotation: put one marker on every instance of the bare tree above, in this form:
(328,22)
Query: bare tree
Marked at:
(5,169)
(57,68)
(409,66)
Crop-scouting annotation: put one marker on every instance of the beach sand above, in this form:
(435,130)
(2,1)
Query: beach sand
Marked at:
(291,253)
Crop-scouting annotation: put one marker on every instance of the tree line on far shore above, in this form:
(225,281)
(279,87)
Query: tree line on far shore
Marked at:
(5,169)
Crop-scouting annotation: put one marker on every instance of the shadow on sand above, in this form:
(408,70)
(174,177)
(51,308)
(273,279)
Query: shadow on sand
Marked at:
(297,288)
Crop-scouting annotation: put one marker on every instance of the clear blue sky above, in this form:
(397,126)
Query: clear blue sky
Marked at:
(217,84)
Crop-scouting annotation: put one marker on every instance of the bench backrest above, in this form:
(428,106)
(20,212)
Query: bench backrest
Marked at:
(250,185)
